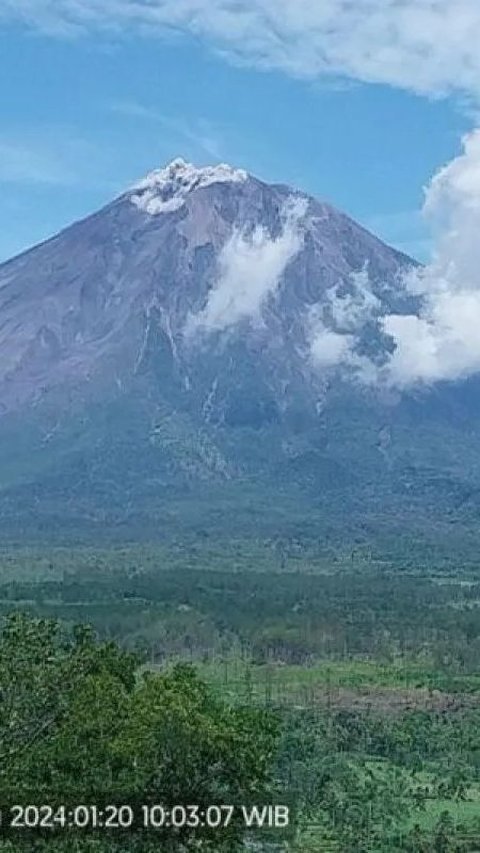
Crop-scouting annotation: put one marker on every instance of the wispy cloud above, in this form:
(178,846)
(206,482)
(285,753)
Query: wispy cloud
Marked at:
(334,329)
(57,155)
(48,173)
(250,270)
(135,110)
(329,349)
(53,155)
(427,46)
(200,134)
(22,163)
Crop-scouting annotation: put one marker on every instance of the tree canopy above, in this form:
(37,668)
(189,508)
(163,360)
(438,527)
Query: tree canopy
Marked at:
(78,724)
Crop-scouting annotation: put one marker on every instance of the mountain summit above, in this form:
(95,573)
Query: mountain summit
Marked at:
(165,190)
(207,330)
(187,249)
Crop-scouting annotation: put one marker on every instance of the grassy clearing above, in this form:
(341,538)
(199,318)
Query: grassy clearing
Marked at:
(292,684)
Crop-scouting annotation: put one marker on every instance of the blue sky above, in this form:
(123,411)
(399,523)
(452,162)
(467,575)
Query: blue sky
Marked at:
(88,106)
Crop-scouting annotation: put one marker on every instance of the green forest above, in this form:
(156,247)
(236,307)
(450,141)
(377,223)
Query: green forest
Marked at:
(341,686)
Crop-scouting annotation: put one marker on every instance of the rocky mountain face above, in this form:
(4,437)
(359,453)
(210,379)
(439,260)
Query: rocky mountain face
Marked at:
(208,345)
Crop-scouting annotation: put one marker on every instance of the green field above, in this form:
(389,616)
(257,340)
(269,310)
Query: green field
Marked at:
(371,669)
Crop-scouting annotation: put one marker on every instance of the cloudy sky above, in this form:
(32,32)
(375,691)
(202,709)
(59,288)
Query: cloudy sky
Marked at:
(358,102)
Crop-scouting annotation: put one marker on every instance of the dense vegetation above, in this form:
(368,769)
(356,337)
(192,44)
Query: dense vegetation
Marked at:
(77,726)
(267,671)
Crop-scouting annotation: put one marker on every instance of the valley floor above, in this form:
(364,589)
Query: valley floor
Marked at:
(372,669)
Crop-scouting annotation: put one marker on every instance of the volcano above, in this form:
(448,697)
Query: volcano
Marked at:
(208,352)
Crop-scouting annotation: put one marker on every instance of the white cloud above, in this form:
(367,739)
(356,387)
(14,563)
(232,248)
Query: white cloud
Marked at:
(329,349)
(427,46)
(333,328)
(31,164)
(250,269)
(351,309)
(443,342)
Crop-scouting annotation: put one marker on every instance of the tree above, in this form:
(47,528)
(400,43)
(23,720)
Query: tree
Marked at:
(77,725)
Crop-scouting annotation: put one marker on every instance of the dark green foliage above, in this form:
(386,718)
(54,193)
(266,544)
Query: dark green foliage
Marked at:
(370,669)
(77,726)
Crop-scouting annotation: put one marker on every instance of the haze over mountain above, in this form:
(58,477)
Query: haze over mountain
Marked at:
(210,347)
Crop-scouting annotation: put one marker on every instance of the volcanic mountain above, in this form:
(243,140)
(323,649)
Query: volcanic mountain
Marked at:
(210,350)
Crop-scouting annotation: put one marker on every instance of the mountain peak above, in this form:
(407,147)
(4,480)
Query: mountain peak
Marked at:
(144,359)
(165,190)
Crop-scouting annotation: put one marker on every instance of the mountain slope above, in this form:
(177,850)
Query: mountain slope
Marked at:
(209,342)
